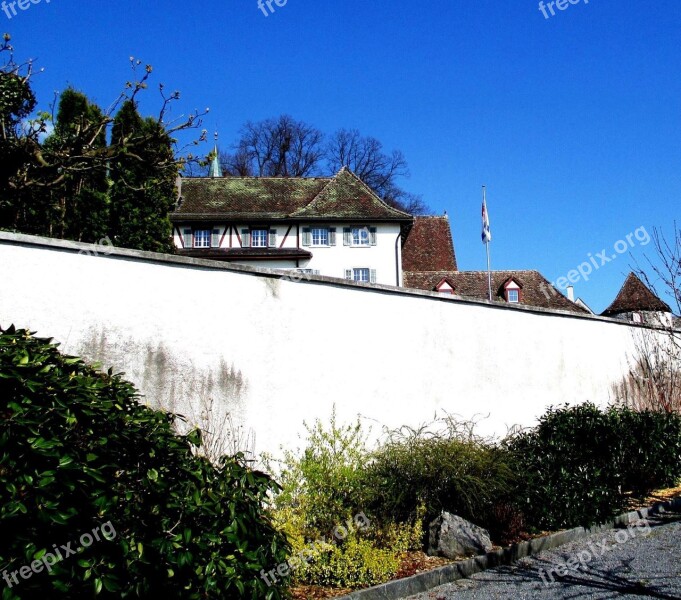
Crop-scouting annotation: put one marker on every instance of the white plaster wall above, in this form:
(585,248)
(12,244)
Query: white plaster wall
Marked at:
(331,261)
(275,353)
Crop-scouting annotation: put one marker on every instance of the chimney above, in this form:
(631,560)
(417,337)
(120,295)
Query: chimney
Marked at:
(571,293)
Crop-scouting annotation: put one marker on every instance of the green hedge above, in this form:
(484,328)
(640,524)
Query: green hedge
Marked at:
(78,452)
(580,465)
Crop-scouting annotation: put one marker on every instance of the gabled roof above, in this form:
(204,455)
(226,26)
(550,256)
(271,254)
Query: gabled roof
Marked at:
(342,197)
(537,291)
(428,246)
(512,279)
(347,196)
(635,296)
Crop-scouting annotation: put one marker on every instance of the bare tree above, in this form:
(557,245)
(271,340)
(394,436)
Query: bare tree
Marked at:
(664,274)
(48,165)
(236,164)
(654,378)
(284,147)
(364,156)
(281,147)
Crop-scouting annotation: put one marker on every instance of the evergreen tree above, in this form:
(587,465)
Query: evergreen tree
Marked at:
(79,200)
(17,102)
(143,178)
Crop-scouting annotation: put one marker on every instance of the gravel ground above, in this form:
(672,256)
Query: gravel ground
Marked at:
(642,561)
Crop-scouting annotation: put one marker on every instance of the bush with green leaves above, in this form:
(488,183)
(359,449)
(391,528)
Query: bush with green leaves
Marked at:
(324,482)
(357,562)
(450,469)
(77,450)
(324,486)
(648,451)
(580,464)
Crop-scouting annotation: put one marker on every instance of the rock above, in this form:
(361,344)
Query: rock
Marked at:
(452,537)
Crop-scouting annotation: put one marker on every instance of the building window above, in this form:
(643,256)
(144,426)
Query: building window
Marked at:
(202,238)
(513,296)
(360,236)
(361,275)
(320,236)
(259,238)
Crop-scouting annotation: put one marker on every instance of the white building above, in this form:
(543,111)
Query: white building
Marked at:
(336,226)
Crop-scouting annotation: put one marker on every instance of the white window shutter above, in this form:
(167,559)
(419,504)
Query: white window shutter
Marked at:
(307,236)
(187,237)
(348,274)
(347,236)
(372,235)
(272,238)
(215,238)
(373,275)
(332,236)
(245,238)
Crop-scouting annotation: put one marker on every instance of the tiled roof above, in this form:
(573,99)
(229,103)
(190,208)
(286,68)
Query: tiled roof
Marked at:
(346,196)
(343,196)
(428,246)
(633,297)
(536,289)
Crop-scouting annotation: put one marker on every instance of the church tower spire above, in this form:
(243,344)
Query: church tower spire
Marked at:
(215,168)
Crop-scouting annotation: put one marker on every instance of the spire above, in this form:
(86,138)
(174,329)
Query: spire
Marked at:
(215,168)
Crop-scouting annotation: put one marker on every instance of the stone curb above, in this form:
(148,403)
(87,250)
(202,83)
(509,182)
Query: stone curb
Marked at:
(422,582)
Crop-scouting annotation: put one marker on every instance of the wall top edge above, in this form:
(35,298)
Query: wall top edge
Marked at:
(95,251)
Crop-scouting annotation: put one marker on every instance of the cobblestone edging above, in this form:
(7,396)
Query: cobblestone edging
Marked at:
(422,582)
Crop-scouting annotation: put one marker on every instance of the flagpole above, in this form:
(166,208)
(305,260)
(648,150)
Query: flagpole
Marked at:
(489,271)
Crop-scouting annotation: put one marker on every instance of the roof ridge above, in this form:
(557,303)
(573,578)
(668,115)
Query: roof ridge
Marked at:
(346,169)
(627,300)
(258,177)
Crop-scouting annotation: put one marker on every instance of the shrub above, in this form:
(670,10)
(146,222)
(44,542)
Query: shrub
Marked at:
(648,449)
(355,563)
(324,485)
(78,450)
(464,475)
(577,465)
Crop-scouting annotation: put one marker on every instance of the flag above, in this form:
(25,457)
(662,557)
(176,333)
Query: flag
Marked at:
(486,233)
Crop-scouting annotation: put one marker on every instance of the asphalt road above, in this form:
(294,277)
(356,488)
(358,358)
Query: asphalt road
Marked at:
(643,561)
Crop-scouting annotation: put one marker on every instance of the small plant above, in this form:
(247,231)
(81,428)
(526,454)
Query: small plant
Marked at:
(356,563)
(323,485)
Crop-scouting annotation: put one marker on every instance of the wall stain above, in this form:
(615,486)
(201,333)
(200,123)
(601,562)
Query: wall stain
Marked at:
(210,397)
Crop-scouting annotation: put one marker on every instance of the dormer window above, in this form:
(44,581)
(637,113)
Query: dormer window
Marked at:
(512,291)
(445,287)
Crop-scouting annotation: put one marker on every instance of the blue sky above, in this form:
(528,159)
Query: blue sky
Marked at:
(573,122)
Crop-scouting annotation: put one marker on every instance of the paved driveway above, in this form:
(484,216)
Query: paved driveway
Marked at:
(643,561)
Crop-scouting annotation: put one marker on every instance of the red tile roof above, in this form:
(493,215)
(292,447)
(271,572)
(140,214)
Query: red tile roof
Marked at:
(536,289)
(428,246)
(635,296)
